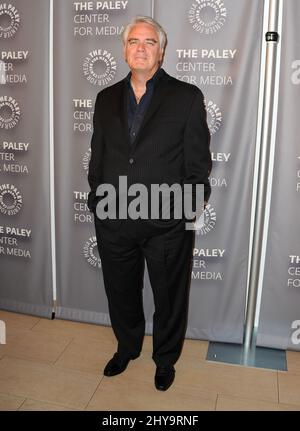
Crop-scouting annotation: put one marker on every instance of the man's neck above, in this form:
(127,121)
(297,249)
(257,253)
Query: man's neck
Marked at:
(139,79)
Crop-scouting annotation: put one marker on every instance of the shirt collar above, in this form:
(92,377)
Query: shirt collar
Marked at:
(153,79)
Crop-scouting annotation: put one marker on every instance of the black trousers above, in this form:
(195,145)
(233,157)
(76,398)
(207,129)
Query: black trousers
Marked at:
(168,254)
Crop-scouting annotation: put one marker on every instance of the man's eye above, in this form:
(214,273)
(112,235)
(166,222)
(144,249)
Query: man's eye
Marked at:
(132,42)
(150,42)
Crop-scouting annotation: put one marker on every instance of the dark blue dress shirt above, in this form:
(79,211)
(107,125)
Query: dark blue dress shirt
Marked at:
(136,111)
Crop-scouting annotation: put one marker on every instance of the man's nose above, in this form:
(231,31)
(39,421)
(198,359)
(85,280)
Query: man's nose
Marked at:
(141,46)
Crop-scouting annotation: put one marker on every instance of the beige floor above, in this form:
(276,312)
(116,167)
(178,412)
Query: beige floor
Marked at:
(57,365)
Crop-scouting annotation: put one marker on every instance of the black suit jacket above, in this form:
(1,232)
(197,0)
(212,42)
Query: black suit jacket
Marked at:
(172,145)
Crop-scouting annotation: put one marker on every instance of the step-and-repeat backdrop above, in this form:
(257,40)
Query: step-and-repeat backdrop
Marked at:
(205,48)
(213,44)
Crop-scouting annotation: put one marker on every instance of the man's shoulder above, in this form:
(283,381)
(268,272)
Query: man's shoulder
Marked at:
(111,90)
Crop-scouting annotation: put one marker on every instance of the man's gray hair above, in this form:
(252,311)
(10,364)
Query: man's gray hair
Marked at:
(162,35)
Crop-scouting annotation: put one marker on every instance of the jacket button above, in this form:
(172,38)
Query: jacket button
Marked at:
(131,161)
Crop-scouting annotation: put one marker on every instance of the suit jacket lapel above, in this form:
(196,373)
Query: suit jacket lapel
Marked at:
(159,95)
(123,111)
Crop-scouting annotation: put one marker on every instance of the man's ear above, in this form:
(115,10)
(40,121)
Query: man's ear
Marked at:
(161,56)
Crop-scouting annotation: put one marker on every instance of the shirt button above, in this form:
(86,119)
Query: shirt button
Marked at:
(133,133)
(131,161)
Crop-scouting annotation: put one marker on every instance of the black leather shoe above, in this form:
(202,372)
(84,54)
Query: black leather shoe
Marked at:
(164,377)
(115,366)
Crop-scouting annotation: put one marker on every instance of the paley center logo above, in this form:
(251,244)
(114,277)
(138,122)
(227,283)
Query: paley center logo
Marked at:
(90,252)
(10,199)
(207,221)
(215,116)
(9,20)
(207,16)
(86,160)
(99,67)
(9,112)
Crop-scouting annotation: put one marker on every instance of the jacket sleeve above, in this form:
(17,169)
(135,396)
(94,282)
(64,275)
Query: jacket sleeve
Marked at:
(197,156)
(97,144)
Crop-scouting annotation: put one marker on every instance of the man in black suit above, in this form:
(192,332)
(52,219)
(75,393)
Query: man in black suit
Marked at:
(149,128)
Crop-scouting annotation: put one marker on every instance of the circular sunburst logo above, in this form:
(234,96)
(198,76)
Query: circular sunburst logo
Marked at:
(90,252)
(10,199)
(214,117)
(9,112)
(207,16)
(9,20)
(99,67)
(207,221)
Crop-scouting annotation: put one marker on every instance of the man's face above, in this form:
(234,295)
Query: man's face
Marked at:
(142,50)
